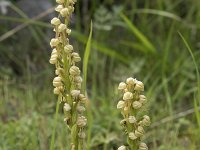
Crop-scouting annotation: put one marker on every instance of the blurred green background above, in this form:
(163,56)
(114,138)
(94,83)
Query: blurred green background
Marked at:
(155,41)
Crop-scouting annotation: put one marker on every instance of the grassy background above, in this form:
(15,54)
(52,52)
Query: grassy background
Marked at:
(130,38)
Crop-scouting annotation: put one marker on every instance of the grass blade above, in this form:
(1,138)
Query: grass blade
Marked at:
(198,79)
(86,58)
(143,39)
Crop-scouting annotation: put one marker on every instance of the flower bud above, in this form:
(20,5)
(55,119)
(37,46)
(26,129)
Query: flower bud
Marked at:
(123,122)
(78,79)
(58,90)
(75,93)
(132,119)
(62,27)
(120,105)
(55,21)
(130,81)
(74,71)
(82,98)
(53,59)
(57,81)
(140,131)
(68,49)
(142,99)
(143,146)
(64,12)
(68,31)
(80,109)
(81,135)
(127,96)
(67,107)
(122,147)
(139,86)
(122,86)
(54,42)
(76,57)
(59,8)
(132,136)
(81,121)
(146,120)
(137,105)
(126,110)
(60,1)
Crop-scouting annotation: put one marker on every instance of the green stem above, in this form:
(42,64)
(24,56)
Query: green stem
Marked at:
(55,124)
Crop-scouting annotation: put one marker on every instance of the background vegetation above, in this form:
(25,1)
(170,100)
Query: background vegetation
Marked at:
(155,41)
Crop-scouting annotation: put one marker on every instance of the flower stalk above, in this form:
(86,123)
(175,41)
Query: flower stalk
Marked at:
(130,107)
(68,81)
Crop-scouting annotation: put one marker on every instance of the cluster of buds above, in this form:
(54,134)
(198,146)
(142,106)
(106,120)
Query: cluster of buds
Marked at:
(130,106)
(68,78)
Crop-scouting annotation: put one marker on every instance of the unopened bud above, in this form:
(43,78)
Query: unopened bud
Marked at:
(139,86)
(132,136)
(143,146)
(75,93)
(55,21)
(62,27)
(64,12)
(127,96)
(59,8)
(146,120)
(137,105)
(132,119)
(67,107)
(54,42)
(140,131)
(57,81)
(74,71)
(120,104)
(122,147)
(81,121)
(122,86)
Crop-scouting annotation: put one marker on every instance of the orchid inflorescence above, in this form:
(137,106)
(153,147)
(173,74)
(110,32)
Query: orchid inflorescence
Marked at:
(131,106)
(68,78)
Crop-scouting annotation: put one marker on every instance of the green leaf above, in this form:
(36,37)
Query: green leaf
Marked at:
(86,58)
